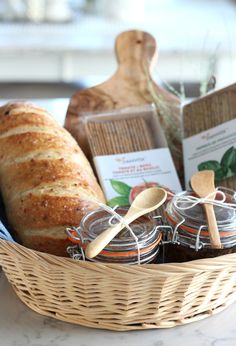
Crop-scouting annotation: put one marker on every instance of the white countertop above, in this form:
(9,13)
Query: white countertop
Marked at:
(19,326)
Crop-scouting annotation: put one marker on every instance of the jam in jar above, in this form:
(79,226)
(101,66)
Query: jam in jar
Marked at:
(190,238)
(139,247)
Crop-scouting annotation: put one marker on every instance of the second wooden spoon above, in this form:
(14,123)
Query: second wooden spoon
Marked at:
(203,185)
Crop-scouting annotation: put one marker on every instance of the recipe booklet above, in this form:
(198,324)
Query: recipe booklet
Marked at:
(214,149)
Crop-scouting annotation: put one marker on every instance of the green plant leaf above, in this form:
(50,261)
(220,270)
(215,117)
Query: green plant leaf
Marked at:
(229,159)
(120,187)
(221,172)
(119,200)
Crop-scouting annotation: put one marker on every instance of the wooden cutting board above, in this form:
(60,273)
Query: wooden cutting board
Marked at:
(210,111)
(131,85)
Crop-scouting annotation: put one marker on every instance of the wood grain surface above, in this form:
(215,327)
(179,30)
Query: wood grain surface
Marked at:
(131,85)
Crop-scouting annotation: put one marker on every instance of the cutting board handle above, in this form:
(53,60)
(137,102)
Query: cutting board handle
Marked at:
(136,53)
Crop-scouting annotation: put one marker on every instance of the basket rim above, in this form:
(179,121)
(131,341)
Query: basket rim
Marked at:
(56,262)
(32,275)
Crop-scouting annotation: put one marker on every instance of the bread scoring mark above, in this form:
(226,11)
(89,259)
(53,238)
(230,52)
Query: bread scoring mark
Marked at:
(38,111)
(19,145)
(56,232)
(13,108)
(26,129)
(63,189)
(51,155)
(31,212)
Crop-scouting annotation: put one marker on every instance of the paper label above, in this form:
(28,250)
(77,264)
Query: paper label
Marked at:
(213,149)
(123,176)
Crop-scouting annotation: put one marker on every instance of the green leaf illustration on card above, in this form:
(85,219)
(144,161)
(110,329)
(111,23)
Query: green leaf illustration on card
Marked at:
(229,159)
(119,200)
(221,172)
(211,165)
(120,187)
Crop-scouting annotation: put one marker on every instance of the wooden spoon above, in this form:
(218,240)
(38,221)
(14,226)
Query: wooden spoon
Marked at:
(203,185)
(147,201)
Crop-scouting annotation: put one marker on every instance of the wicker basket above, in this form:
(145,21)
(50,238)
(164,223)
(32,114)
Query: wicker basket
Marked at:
(119,297)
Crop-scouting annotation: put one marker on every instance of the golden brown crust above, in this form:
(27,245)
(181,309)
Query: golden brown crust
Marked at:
(13,115)
(47,244)
(45,211)
(45,179)
(36,173)
(25,143)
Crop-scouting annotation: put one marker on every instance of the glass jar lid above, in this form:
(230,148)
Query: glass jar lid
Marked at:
(189,221)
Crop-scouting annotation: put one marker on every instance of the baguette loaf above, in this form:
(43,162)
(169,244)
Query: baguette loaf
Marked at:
(46,181)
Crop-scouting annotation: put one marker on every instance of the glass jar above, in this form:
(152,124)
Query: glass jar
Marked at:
(143,246)
(190,230)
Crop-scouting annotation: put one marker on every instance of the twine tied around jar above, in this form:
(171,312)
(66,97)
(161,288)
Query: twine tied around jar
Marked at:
(192,201)
(122,220)
(73,250)
(182,202)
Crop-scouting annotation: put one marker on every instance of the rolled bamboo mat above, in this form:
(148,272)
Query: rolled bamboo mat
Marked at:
(210,111)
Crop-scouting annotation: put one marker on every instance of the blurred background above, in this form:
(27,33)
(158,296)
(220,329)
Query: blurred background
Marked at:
(49,48)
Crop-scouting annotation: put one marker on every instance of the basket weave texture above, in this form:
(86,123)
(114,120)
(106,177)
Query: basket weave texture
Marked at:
(119,297)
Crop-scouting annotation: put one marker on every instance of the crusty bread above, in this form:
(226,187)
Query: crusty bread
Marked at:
(46,181)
